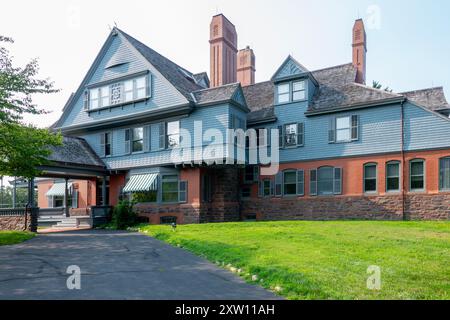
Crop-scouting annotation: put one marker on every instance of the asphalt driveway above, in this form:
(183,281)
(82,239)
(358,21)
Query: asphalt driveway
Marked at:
(114,265)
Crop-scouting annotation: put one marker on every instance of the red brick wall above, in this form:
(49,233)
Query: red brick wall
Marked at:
(116,182)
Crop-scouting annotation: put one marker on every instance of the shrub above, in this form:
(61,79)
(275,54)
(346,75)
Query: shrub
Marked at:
(123,215)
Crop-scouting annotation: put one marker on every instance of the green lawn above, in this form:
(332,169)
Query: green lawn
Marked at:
(326,260)
(13,237)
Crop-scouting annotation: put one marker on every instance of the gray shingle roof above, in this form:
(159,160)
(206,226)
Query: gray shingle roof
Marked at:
(432,98)
(216,94)
(75,151)
(259,95)
(170,70)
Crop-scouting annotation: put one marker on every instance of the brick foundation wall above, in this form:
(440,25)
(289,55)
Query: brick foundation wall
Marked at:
(388,207)
(185,213)
(18,222)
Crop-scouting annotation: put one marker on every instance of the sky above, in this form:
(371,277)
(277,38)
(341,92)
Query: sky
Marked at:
(408,40)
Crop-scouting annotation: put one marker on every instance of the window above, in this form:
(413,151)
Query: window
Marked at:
(292,135)
(300,182)
(128,90)
(104,95)
(262,137)
(93,98)
(138,139)
(444,174)
(167,220)
(290,183)
(417,175)
(298,91)
(343,129)
(207,188)
(267,188)
(105,142)
(169,188)
(250,174)
(283,93)
(173,134)
(393,176)
(140,87)
(325,181)
(116,93)
(370,177)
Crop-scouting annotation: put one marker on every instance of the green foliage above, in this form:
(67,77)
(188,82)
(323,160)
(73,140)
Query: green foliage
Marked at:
(14,237)
(378,85)
(143,197)
(326,260)
(22,147)
(6,197)
(123,215)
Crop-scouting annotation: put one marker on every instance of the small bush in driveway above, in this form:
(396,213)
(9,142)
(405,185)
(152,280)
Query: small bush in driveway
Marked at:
(123,215)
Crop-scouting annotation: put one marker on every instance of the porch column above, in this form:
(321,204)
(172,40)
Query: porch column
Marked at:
(104,192)
(66,197)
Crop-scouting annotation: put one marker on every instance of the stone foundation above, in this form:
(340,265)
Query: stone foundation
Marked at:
(15,220)
(185,213)
(388,207)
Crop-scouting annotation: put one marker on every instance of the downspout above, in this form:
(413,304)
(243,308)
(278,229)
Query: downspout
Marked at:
(402,117)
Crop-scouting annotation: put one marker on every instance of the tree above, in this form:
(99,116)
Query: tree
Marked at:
(23,147)
(378,85)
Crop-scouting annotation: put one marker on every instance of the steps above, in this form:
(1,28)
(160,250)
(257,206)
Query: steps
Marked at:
(73,222)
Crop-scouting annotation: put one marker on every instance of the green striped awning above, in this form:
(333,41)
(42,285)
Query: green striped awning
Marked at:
(141,182)
(58,189)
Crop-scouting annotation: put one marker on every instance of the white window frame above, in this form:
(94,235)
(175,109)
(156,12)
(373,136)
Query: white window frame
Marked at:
(396,162)
(175,135)
(423,175)
(294,91)
(376,178)
(133,139)
(348,129)
(285,135)
(287,94)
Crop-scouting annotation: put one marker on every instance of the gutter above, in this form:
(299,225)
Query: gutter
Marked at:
(402,116)
(356,106)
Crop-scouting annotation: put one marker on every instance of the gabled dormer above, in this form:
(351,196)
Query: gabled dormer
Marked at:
(293,82)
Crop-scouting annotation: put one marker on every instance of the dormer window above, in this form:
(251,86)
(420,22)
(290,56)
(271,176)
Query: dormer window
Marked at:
(130,90)
(298,91)
(291,91)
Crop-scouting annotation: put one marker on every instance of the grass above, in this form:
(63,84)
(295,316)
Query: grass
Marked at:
(326,260)
(14,237)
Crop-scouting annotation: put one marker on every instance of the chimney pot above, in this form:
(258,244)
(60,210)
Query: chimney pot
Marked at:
(246,67)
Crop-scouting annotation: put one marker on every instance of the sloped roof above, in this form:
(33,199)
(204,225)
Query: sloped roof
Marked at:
(432,98)
(184,82)
(75,151)
(217,94)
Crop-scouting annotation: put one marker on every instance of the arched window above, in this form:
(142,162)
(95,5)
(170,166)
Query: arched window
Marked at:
(393,176)
(417,175)
(370,178)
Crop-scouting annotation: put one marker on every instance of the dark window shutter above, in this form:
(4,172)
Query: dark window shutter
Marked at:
(182,191)
(313,182)
(255,173)
(162,135)
(300,134)
(148,85)
(147,138)
(278,184)
(272,191)
(355,127)
(337,185)
(260,188)
(127,141)
(332,130)
(86,100)
(280,136)
(102,144)
(300,182)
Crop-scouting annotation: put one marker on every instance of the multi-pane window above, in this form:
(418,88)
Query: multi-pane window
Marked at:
(343,129)
(169,188)
(283,93)
(267,188)
(298,91)
(370,177)
(393,176)
(137,139)
(173,134)
(417,175)
(290,183)
(116,93)
(290,135)
(94,98)
(245,192)
(325,180)
(444,174)
(128,90)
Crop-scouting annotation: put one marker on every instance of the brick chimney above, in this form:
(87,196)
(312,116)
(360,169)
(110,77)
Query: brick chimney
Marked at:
(246,67)
(223,49)
(359,50)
